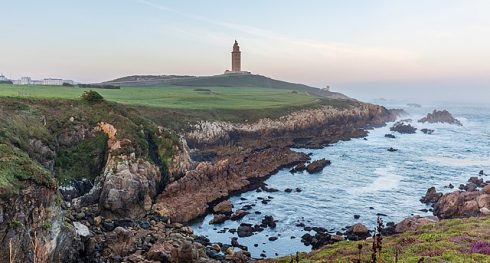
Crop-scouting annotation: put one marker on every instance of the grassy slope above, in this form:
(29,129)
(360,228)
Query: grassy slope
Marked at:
(23,120)
(447,241)
(173,97)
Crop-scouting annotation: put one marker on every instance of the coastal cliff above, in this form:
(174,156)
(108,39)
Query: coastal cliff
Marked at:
(238,157)
(93,185)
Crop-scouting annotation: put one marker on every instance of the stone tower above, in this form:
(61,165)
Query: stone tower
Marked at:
(236,58)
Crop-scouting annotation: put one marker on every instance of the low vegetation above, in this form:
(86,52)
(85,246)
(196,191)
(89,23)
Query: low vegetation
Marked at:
(454,240)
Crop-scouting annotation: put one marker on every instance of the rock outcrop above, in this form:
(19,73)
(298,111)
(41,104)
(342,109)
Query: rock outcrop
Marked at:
(190,196)
(403,127)
(414,223)
(462,204)
(317,166)
(440,117)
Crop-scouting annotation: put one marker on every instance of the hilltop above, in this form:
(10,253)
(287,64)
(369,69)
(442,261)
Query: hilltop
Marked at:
(224,80)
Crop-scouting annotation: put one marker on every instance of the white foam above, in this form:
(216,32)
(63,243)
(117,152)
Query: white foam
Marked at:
(387,179)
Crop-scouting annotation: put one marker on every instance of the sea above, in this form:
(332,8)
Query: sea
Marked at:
(365,179)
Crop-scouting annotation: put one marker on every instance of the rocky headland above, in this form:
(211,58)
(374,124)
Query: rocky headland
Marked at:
(101,183)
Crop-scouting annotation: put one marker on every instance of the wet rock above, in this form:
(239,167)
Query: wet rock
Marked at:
(273,238)
(414,223)
(357,216)
(403,128)
(268,221)
(245,230)
(224,207)
(391,149)
(479,182)
(239,214)
(389,135)
(317,166)
(299,168)
(431,196)
(427,131)
(218,219)
(288,190)
(298,190)
(440,117)
(269,190)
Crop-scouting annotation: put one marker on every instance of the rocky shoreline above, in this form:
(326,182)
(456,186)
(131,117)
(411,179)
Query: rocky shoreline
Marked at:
(133,211)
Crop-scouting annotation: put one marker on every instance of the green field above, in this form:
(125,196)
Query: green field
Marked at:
(173,97)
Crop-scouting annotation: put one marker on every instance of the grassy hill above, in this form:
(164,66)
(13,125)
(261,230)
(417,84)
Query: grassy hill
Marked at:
(224,80)
(174,97)
(455,240)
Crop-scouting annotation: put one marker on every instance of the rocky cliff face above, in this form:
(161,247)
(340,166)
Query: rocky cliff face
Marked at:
(237,157)
(310,127)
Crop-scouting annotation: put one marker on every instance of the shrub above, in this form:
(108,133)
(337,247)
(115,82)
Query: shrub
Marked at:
(481,247)
(92,97)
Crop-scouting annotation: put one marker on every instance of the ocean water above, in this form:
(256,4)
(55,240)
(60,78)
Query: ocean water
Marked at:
(363,176)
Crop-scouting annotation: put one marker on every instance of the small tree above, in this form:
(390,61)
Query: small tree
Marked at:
(92,97)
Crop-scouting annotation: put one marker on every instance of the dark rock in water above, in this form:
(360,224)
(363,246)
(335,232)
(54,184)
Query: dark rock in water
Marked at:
(381,214)
(300,225)
(450,186)
(214,254)
(431,196)
(424,210)
(299,168)
(234,242)
(391,149)
(269,222)
(440,117)
(357,216)
(218,219)
(391,136)
(371,208)
(239,214)
(365,138)
(482,173)
(288,190)
(427,131)
(268,190)
(470,187)
(298,190)
(479,182)
(245,230)
(272,238)
(317,166)
(263,255)
(404,128)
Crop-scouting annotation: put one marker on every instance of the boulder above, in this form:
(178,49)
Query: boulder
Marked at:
(218,219)
(239,214)
(483,200)
(245,230)
(403,128)
(485,211)
(449,205)
(224,207)
(442,116)
(389,135)
(357,232)
(414,223)
(486,189)
(391,149)
(317,166)
(427,131)
(81,229)
(431,196)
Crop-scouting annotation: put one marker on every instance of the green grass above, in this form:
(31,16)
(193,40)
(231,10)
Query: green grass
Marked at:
(15,167)
(174,97)
(447,241)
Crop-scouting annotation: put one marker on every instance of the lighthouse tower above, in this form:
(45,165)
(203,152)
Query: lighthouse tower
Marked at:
(236,58)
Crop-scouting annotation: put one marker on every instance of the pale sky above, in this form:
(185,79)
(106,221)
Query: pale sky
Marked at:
(349,45)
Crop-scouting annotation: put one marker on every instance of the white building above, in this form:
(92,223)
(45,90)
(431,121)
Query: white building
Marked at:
(25,81)
(53,82)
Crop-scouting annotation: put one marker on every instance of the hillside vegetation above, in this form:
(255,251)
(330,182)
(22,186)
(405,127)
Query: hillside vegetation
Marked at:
(454,240)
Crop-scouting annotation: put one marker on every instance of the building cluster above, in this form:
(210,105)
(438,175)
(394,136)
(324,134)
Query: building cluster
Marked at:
(29,81)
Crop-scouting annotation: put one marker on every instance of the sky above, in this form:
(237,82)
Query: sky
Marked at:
(378,48)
